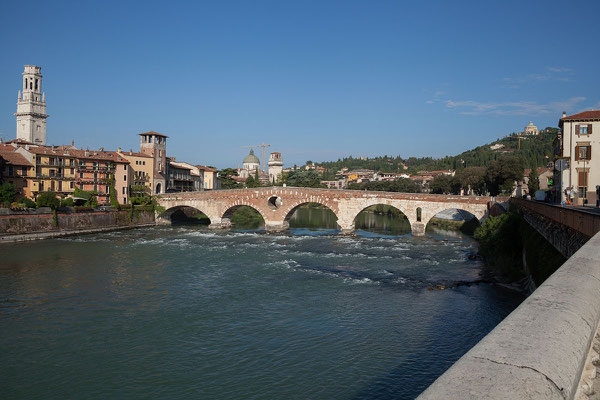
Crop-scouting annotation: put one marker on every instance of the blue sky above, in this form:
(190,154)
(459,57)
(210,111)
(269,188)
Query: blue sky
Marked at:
(317,80)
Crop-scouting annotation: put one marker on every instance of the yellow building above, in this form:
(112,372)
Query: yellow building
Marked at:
(54,170)
(142,166)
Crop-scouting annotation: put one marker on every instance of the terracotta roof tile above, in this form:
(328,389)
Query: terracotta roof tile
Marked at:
(582,116)
(12,158)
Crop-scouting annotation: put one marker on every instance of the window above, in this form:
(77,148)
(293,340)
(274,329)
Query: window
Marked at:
(95,188)
(81,175)
(582,183)
(583,130)
(124,167)
(123,189)
(583,152)
(72,185)
(125,178)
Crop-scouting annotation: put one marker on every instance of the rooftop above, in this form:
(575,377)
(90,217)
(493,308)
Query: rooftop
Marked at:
(582,116)
(13,158)
(153,133)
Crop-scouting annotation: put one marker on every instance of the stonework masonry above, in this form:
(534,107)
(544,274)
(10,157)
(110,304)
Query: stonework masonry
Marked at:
(31,108)
(277,205)
(40,222)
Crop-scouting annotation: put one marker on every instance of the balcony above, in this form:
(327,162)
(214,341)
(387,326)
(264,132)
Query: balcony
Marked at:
(95,168)
(54,176)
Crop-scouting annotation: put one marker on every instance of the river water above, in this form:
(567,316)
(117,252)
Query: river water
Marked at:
(184,312)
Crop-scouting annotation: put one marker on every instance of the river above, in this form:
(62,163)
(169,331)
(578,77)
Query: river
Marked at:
(182,312)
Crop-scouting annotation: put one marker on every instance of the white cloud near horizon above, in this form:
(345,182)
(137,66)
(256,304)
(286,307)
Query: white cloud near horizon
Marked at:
(472,107)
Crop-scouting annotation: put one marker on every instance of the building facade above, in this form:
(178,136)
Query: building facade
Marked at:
(154,144)
(579,134)
(142,172)
(210,180)
(531,129)
(275,167)
(31,108)
(15,169)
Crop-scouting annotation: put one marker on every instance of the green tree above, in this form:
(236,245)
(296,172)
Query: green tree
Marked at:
(441,184)
(402,185)
(48,199)
(501,174)
(227,182)
(8,192)
(303,178)
(533,184)
(251,182)
(472,178)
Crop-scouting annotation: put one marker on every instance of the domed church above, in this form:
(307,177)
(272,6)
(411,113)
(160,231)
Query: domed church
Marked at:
(250,164)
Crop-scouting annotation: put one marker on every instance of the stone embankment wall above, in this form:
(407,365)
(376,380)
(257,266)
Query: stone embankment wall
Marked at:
(543,349)
(41,223)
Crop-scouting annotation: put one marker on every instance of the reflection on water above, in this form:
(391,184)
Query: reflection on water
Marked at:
(383,223)
(317,218)
(324,218)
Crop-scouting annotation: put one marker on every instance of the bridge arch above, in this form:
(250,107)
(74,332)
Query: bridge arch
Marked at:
(230,209)
(289,213)
(401,215)
(167,216)
(478,212)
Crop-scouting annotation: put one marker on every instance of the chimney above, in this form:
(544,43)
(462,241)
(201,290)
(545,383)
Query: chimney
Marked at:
(73,142)
(564,114)
(118,149)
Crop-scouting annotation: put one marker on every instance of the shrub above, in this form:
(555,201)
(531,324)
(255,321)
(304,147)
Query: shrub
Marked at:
(27,202)
(48,199)
(8,192)
(68,202)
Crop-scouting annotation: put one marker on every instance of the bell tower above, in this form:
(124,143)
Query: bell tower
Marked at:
(31,107)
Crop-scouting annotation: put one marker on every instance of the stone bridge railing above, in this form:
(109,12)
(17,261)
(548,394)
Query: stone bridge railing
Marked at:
(566,228)
(543,349)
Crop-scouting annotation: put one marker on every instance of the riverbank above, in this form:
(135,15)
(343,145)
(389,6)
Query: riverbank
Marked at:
(514,251)
(37,224)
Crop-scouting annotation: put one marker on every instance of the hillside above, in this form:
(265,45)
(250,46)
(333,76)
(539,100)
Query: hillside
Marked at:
(534,150)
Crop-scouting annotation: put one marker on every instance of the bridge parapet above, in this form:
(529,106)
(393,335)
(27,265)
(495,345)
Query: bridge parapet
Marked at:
(566,228)
(543,349)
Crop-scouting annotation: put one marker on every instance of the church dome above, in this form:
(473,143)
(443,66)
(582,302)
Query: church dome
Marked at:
(251,158)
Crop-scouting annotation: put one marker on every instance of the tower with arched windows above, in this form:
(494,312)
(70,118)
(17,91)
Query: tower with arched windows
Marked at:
(31,107)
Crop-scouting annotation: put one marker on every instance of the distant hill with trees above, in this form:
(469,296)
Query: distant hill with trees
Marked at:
(535,151)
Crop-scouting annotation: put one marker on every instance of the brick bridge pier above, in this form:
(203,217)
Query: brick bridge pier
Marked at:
(278,204)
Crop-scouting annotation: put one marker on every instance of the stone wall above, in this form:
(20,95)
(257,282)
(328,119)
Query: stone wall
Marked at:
(18,223)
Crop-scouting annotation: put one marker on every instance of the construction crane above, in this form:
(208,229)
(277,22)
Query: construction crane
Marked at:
(263,153)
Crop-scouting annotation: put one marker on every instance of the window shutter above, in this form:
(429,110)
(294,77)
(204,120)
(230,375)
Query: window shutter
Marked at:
(589,129)
(577,152)
(589,153)
(577,129)
(581,178)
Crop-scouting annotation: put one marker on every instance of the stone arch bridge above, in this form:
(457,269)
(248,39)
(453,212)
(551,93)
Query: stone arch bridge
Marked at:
(277,205)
